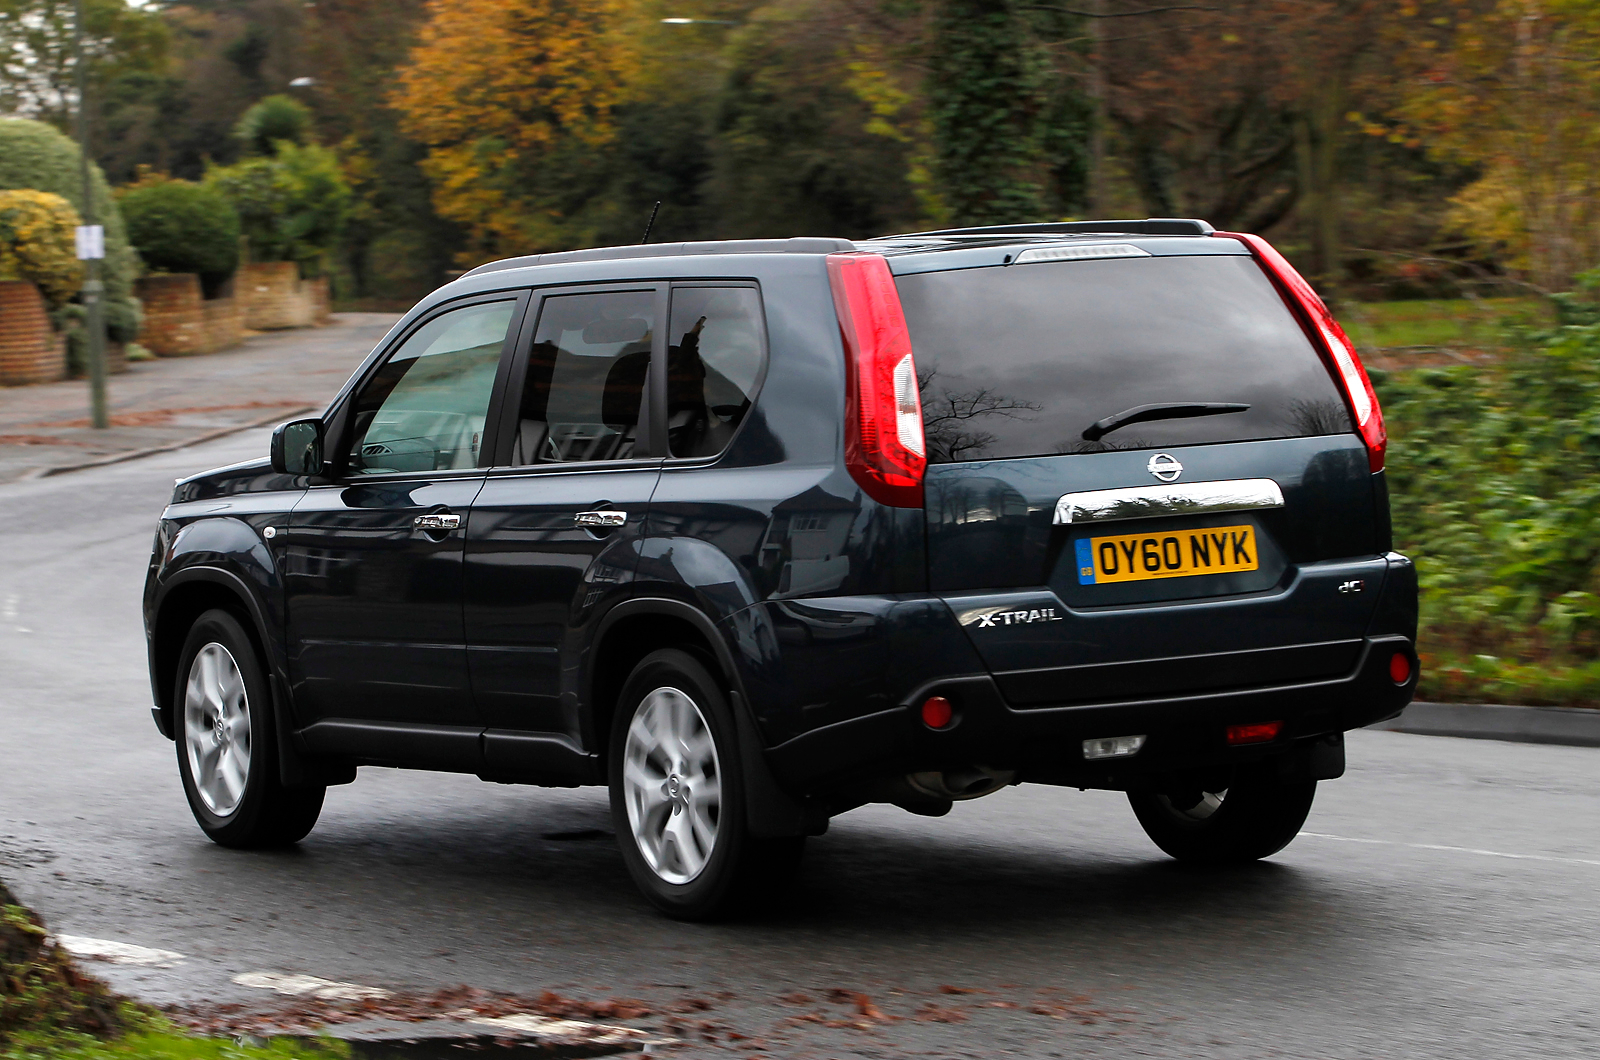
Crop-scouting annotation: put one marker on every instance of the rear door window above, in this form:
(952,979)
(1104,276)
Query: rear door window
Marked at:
(1019,360)
(585,378)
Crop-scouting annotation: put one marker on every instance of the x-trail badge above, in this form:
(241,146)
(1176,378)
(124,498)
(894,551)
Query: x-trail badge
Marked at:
(1165,467)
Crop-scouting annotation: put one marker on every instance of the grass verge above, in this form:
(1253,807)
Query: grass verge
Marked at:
(51,1010)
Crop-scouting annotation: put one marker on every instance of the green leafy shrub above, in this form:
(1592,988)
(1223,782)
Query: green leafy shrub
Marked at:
(34,155)
(180,226)
(1494,474)
(292,206)
(273,119)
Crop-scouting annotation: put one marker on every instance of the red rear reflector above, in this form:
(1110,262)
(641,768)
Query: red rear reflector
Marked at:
(883,444)
(1330,338)
(1258,733)
(1399,668)
(937,712)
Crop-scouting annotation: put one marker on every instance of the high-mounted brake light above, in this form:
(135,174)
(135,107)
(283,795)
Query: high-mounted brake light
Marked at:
(883,444)
(1330,338)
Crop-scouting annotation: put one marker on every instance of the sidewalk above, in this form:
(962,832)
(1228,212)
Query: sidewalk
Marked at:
(177,401)
(1569,726)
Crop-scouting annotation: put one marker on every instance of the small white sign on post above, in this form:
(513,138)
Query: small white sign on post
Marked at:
(91,242)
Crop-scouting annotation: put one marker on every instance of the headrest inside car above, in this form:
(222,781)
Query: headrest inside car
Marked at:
(602,332)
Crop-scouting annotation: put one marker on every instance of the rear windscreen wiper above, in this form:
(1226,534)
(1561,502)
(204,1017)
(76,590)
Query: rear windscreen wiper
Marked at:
(1166,410)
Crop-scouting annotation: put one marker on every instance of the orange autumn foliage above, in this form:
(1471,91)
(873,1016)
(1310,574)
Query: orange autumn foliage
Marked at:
(495,88)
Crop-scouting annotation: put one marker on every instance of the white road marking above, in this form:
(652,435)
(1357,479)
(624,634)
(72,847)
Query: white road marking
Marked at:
(301,985)
(1455,850)
(117,952)
(550,1026)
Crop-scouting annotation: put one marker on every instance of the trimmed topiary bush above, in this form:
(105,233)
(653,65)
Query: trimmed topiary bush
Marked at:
(179,226)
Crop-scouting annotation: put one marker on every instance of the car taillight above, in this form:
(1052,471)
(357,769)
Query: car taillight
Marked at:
(883,445)
(1330,337)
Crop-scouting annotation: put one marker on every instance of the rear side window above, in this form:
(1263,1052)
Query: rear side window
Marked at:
(714,361)
(1019,360)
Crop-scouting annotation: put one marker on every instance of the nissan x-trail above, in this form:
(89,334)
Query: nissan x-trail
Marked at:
(756,532)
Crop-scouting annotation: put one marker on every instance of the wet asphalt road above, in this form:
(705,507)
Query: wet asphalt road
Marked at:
(1069,934)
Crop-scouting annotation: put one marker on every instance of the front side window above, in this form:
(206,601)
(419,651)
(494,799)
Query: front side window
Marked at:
(425,408)
(585,380)
(714,361)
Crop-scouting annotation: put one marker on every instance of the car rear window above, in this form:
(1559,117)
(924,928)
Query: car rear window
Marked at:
(1019,360)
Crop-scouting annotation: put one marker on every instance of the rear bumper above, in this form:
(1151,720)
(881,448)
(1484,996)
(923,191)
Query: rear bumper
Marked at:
(1044,742)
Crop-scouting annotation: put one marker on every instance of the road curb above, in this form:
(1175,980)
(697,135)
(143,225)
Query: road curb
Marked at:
(509,1037)
(1567,726)
(199,439)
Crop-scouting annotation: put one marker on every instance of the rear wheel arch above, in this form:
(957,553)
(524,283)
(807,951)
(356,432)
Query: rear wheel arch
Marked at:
(632,630)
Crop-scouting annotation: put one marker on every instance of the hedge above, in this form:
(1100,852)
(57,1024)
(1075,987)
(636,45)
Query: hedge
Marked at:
(180,226)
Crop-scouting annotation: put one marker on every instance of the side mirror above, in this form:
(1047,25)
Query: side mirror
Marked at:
(297,448)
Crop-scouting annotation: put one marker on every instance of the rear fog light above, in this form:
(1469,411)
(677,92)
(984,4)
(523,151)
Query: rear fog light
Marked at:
(937,713)
(1399,668)
(1261,732)
(1112,747)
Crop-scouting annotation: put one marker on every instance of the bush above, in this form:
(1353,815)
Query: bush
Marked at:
(271,120)
(292,206)
(180,226)
(37,245)
(34,155)
(1494,473)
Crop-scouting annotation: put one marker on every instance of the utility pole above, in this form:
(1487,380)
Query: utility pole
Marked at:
(91,241)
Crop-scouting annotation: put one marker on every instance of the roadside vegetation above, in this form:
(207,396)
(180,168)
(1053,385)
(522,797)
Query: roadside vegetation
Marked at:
(1494,474)
(50,1010)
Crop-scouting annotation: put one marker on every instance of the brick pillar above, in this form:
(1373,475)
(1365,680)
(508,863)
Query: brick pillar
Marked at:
(272,296)
(173,322)
(30,350)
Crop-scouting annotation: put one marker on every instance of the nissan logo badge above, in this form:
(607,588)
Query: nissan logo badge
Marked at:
(1165,467)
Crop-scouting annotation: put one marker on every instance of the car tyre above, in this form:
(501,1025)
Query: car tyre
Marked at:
(1256,815)
(678,796)
(227,742)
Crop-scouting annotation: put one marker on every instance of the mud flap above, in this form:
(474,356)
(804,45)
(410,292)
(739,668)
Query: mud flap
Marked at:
(770,812)
(1319,758)
(296,769)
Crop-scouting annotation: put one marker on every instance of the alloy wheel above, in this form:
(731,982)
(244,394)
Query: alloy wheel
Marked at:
(216,729)
(672,785)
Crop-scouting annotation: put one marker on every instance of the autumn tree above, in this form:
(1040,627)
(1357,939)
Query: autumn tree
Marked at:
(1511,87)
(509,96)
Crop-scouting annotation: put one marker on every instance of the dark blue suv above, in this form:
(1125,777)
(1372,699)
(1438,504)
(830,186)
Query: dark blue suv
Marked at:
(756,532)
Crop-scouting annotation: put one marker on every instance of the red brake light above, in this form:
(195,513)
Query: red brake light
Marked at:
(1259,733)
(1399,668)
(1330,338)
(883,445)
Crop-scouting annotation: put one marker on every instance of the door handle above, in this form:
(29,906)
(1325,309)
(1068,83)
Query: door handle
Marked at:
(606,518)
(437,521)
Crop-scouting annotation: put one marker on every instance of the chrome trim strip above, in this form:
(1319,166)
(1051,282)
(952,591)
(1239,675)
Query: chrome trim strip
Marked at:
(1151,502)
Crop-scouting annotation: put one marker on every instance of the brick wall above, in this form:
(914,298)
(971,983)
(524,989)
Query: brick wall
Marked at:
(179,322)
(223,321)
(30,350)
(174,324)
(274,296)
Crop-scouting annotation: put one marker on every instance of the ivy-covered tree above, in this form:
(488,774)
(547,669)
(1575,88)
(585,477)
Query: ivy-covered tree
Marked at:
(988,101)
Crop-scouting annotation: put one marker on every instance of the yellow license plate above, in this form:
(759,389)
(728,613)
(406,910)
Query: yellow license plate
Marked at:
(1174,554)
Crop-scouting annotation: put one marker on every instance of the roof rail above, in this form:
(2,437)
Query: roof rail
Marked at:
(1150,226)
(798,245)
